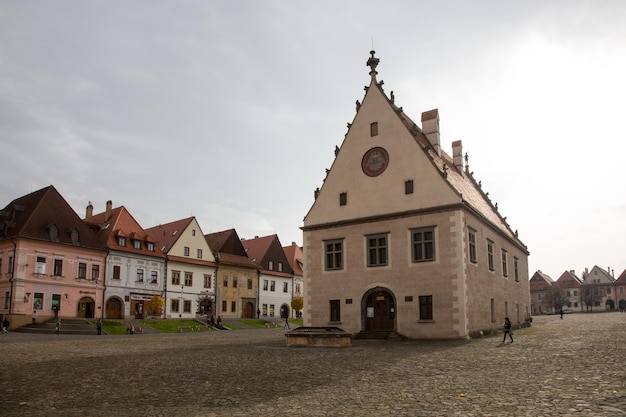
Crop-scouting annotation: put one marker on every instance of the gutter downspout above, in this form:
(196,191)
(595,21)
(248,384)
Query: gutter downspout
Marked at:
(12,279)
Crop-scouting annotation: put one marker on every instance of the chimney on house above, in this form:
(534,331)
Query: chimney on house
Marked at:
(89,212)
(457,155)
(430,127)
(107,213)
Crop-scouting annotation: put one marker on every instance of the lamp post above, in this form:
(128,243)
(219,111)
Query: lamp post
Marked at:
(95,299)
(180,307)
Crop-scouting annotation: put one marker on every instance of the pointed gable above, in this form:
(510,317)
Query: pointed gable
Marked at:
(268,253)
(167,234)
(568,280)
(540,281)
(227,248)
(621,280)
(45,215)
(384,146)
(598,275)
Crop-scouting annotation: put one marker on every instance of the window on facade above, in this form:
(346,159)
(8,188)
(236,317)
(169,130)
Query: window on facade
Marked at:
(233,306)
(224,305)
(82,270)
(38,301)
(423,244)
(174,305)
(40,265)
(285,287)
(271,310)
(137,244)
(186,251)
(493,310)
(265,284)
(516,268)
(490,247)
(225,281)
(249,283)
(408,187)
(280,267)
(175,277)
(188,279)
(193,232)
(374,129)
(199,253)
(139,275)
(10,266)
(264,310)
(333,254)
(335,310)
(471,238)
(58,267)
(297,288)
(187,306)
(56,302)
(121,241)
(377,250)
(505,264)
(343,199)
(234,282)
(271,266)
(116,271)
(154,277)
(95,272)
(426,307)
(150,246)
(7,297)
(207,281)
(272,285)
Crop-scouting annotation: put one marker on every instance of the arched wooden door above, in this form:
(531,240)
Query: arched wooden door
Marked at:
(114,309)
(86,308)
(380,310)
(248,310)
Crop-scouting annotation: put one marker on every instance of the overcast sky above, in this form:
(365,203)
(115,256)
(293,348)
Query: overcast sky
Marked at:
(230,110)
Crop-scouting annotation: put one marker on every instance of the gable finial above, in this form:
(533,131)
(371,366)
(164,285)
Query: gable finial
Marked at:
(372,62)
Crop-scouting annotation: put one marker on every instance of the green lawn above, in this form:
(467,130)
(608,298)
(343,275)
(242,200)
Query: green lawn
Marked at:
(171,325)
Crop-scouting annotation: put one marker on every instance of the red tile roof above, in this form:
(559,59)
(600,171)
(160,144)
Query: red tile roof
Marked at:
(167,234)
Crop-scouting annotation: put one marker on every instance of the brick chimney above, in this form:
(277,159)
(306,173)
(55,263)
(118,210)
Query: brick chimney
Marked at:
(457,155)
(89,212)
(430,127)
(109,209)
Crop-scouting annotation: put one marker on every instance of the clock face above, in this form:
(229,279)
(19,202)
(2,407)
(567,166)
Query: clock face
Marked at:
(375,162)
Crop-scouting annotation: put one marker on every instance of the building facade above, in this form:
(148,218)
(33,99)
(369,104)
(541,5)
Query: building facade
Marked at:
(401,238)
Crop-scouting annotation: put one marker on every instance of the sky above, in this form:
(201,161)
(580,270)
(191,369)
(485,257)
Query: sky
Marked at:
(230,111)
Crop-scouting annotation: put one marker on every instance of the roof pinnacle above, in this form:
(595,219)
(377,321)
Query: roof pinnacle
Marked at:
(372,62)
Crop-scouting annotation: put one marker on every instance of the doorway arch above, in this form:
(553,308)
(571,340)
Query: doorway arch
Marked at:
(378,310)
(114,308)
(86,308)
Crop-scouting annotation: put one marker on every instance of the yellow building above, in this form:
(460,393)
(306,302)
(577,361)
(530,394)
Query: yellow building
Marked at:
(401,238)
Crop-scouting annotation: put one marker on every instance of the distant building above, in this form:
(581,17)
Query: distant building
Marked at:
(598,289)
(296,260)
(275,275)
(401,238)
(541,294)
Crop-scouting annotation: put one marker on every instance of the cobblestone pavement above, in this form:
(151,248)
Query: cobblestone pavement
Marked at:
(569,367)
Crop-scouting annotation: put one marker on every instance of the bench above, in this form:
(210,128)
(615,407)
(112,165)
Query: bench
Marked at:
(137,330)
(190,328)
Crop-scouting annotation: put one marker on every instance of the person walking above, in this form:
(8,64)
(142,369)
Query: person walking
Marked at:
(286,325)
(34,317)
(57,327)
(507,329)
(561,312)
(99,326)
(5,325)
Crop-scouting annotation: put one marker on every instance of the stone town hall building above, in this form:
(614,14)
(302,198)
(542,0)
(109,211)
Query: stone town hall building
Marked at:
(401,238)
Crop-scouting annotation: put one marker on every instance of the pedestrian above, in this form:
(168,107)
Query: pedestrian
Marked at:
(132,328)
(34,317)
(258,313)
(57,327)
(99,326)
(561,313)
(286,325)
(507,329)
(5,325)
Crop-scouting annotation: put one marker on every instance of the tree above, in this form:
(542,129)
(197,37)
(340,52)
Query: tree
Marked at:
(297,303)
(156,305)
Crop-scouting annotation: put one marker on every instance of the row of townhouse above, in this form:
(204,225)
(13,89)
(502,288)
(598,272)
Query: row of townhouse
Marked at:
(106,265)
(596,290)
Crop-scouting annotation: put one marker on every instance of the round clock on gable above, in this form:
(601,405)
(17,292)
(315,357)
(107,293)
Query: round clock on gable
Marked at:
(375,162)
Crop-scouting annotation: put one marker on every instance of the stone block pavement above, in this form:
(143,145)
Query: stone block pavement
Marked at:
(569,367)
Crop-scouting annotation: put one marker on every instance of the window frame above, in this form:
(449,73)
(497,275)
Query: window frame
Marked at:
(333,254)
(334,311)
(378,253)
(491,246)
(424,245)
(472,242)
(426,307)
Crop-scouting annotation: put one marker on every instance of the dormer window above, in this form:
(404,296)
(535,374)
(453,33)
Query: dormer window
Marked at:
(137,244)
(74,237)
(53,230)
(121,241)
(150,246)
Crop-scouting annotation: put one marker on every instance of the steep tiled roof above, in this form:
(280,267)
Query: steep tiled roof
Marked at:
(228,249)
(45,215)
(621,280)
(540,281)
(122,223)
(257,248)
(167,234)
(296,258)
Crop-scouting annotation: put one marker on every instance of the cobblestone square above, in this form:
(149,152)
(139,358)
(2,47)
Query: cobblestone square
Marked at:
(569,367)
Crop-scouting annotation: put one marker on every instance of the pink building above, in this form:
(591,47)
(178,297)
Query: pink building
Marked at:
(50,261)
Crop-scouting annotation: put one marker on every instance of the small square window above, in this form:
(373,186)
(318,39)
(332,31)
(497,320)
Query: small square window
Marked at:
(374,129)
(408,187)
